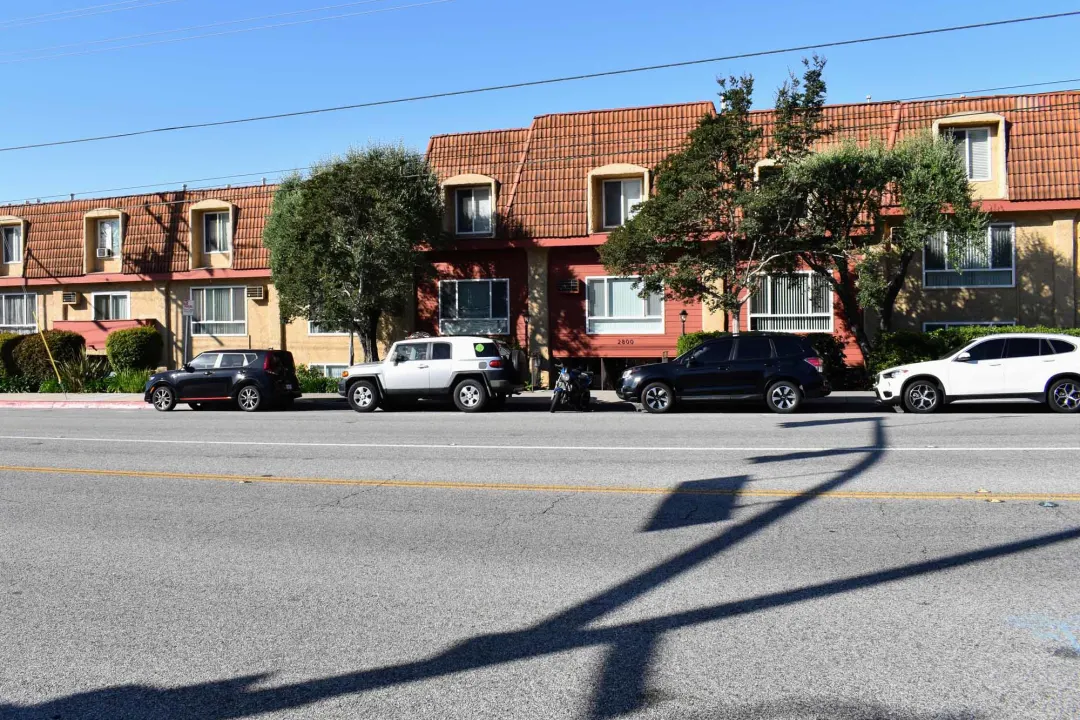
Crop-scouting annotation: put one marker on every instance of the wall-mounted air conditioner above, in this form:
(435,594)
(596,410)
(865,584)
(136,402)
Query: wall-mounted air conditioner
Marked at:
(570,286)
(71,297)
(104,252)
(256,292)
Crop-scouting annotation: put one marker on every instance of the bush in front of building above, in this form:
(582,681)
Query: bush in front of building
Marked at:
(134,348)
(17,384)
(8,342)
(128,380)
(313,381)
(32,359)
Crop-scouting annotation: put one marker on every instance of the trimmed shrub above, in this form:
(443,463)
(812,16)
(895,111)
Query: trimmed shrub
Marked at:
(32,359)
(313,381)
(17,384)
(138,348)
(128,380)
(85,373)
(8,342)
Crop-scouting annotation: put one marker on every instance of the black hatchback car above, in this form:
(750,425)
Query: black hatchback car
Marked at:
(252,379)
(781,369)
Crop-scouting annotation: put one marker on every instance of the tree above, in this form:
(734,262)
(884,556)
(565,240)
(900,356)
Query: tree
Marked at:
(696,238)
(348,243)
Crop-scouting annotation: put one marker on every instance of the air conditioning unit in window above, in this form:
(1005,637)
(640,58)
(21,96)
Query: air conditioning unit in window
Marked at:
(71,297)
(104,252)
(255,292)
(570,286)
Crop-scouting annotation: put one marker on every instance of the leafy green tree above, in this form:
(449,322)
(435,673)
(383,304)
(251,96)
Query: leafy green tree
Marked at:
(698,238)
(348,243)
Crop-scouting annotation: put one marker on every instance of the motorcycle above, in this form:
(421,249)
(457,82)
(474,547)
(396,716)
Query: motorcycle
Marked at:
(572,389)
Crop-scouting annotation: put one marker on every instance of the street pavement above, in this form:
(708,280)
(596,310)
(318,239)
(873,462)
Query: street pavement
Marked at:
(829,565)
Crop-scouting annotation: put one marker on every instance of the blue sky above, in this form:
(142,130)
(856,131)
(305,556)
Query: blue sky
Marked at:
(449,45)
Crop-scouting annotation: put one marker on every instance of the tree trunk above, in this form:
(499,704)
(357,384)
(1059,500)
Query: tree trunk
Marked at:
(849,306)
(367,331)
(892,290)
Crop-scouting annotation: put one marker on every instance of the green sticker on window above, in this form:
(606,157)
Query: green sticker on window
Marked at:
(479,347)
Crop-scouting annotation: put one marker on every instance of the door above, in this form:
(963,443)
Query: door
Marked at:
(706,369)
(1029,365)
(227,369)
(982,373)
(406,371)
(200,382)
(441,366)
(753,359)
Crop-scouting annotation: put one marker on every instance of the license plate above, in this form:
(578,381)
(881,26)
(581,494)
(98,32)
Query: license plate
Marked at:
(288,386)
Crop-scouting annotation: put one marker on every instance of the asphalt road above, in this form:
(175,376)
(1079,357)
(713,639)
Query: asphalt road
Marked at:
(321,563)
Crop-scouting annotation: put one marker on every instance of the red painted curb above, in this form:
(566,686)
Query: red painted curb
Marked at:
(73,405)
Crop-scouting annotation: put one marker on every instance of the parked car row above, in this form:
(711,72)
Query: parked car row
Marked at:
(778,369)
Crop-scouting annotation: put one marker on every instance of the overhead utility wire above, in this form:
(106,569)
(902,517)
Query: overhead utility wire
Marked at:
(547,81)
(69,14)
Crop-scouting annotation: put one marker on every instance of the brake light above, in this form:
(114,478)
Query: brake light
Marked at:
(269,365)
(816,362)
(495,364)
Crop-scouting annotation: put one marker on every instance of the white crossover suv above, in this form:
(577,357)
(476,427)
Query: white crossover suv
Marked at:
(1022,365)
(475,372)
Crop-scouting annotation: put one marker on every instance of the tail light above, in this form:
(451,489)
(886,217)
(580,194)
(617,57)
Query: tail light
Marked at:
(816,362)
(495,364)
(270,364)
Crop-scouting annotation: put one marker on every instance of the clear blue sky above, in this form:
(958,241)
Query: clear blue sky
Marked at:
(451,45)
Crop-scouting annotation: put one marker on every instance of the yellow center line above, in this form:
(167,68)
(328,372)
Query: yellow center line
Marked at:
(527,487)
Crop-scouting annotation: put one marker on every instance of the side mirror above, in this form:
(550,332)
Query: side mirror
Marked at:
(187,368)
(963,357)
(399,359)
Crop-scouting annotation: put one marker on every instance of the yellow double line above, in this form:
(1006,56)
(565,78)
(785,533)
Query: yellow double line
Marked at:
(527,487)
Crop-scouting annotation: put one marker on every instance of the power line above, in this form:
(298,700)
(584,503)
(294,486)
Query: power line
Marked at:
(547,81)
(178,30)
(81,13)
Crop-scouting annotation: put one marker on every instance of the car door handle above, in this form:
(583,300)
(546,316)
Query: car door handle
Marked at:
(995,364)
(208,372)
(1049,360)
(421,366)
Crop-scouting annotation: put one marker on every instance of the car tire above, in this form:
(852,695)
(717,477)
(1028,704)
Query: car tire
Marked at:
(470,396)
(163,397)
(783,397)
(1064,395)
(363,396)
(249,398)
(922,396)
(657,398)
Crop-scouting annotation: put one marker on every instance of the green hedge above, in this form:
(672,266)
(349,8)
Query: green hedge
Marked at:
(313,381)
(136,348)
(8,342)
(32,360)
(905,347)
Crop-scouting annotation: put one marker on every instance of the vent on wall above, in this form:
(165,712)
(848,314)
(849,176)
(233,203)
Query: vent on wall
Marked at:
(569,286)
(256,292)
(71,297)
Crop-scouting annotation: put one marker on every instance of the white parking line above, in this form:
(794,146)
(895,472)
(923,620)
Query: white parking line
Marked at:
(586,448)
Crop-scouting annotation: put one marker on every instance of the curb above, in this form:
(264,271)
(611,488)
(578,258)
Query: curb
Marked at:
(73,405)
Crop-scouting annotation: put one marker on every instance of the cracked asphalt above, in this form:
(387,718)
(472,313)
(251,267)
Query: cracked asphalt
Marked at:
(325,564)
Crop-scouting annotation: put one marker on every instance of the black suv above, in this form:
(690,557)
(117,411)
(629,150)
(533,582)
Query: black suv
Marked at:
(253,379)
(781,369)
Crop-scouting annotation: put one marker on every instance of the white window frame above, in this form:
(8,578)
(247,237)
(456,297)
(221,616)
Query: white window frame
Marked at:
(312,331)
(323,367)
(93,303)
(966,131)
(589,317)
(829,312)
(947,269)
(945,325)
(19,246)
(118,246)
(18,329)
(625,211)
(228,232)
(235,288)
(489,281)
(457,210)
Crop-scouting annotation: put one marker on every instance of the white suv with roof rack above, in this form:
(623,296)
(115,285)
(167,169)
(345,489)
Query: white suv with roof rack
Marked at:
(1035,366)
(475,372)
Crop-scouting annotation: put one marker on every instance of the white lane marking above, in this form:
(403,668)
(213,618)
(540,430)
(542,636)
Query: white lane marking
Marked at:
(589,448)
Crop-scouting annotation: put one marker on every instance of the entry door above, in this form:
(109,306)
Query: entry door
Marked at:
(200,382)
(1029,364)
(982,374)
(409,373)
(753,357)
(441,365)
(707,371)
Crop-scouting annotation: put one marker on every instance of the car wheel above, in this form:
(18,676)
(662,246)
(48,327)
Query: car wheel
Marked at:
(1064,396)
(657,397)
(470,396)
(164,398)
(783,397)
(249,399)
(363,396)
(922,396)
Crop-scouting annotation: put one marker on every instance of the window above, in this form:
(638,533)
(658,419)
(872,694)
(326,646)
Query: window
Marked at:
(12,241)
(621,201)
(789,347)
(983,263)
(1022,347)
(206,361)
(219,311)
(801,302)
(713,353)
(314,328)
(1060,346)
(18,313)
(441,351)
(487,350)
(111,306)
(108,235)
(753,348)
(474,211)
(974,145)
(474,307)
(613,306)
(408,352)
(216,233)
(989,350)
(330,370)
(932,326)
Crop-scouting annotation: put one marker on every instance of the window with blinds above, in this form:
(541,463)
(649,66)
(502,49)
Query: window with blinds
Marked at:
(111,306)
(219,311)
(18,313)
(800,302)
(474,307)
(974,145)
(12,244)
(984,262)
(615,307)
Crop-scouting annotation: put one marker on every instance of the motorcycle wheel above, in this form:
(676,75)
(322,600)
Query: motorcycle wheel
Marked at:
(554,401)
(586,402)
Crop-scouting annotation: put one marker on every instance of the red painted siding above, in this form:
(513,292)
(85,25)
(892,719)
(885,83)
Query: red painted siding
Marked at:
(568,336)
(852,354)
